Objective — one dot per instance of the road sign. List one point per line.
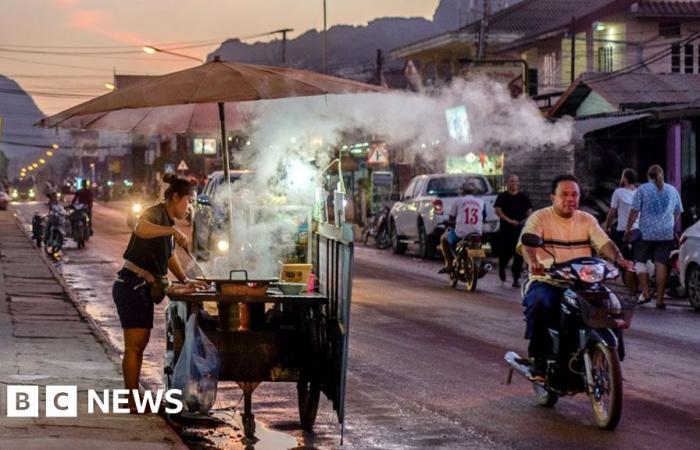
(182, 167)
(169, 168)
(378, 155)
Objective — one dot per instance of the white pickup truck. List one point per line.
(418, 216)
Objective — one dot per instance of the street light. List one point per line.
(54, 146)
(110, 86)
(49, 153)
(153, 50)
(35, 165)
(42, 161)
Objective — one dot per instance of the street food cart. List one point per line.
(263, 335)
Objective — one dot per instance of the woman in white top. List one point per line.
(620, 207)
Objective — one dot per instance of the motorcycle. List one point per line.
(674, 287)
(79, 224)
(467, 265)
(54, 234)
(37, 228)
(585, 356)
(378, 229)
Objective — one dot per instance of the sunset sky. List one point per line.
(33, 31)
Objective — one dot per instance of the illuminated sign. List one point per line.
(204, 146)
(458, 124)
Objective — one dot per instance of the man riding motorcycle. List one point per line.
(567, 233)
(467, 216)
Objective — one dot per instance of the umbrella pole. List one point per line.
(227, 178)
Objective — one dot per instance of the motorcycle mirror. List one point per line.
(203, 199)
(531, 240)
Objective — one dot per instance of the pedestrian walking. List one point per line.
(658, 207)
(620, 207)
(513, 208)
(143, 279)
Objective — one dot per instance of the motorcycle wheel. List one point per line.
(471, 274)
(543, 396)
(693, 284)
(79, 235)
(397, 246)
(606, 397)
(383, 239)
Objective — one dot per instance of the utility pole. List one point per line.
(380, 67)
(325, 40)
(483, 29)
(284, 32)
(573, 49)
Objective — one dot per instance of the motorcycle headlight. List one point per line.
(31, 193)
(589, 273)
(222, 245)
(136, 208)
(15, 194)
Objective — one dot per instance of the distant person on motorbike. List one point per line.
(658, 207)
(568, 233)
(467, 216)
(84, 196)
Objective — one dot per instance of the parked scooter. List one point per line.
(79, 224)
(584, 356)
(376, 231)
(37, 228)
(468, 265)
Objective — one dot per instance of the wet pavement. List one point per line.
(426, 363)
(45, 341)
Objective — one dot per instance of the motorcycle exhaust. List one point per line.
(518, 364)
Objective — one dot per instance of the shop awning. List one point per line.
(585, 126)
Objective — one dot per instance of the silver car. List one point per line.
(690, 264)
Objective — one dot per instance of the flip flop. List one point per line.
(641, 300)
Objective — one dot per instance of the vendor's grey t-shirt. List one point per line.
(152, 254)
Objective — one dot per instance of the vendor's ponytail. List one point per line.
(656, 174)
(177, 185)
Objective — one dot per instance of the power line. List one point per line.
(54, 64)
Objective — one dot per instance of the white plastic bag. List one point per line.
(196, 373)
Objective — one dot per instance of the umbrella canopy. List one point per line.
(186, 101)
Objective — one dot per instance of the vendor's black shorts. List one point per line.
(657, 251)
(626, 248)
(134, 305)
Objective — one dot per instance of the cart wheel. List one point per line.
(309, 393)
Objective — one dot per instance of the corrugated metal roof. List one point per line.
(644, 88)
(585, 126)
(666, 8)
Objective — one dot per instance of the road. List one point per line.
(426, 363)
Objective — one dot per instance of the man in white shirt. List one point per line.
(467, 215)
(620, 208)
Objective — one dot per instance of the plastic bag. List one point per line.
(196, 373)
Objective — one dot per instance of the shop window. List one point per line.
(605, 59)
(689, 57)
(549, 69)
(670, 29)
(675, 58)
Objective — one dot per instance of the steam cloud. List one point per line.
(292, 140)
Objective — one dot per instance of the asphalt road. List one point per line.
(426, 363)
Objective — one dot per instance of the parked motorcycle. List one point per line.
(37, 228)
(377, 230)
(584, 356)
(674, 287)
(79, 224)
(467, 265)
(54, 234)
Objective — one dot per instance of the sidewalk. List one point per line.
(45, 341)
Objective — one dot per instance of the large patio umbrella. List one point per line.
(198, 100)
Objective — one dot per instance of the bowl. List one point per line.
(291, 288)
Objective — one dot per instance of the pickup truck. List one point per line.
(418, 216)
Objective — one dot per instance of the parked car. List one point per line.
(209, 219)
(690, 264)
(425, 204)
(4, 200)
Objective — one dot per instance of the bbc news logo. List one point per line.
(62, 401)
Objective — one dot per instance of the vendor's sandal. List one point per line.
(642, 300)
